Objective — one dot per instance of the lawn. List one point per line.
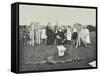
(43, 57)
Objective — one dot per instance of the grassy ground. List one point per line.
(42, 57)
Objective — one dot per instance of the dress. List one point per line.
(50, 36)
(74, 35)
(43, 34)
(69, 34)
(82, 35)
(87, 39)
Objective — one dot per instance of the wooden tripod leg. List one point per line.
(84, 43)
(77, 43)
(73, 42)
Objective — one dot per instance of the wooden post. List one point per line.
(37, 32)
(32, 33)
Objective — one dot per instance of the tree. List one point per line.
(91, 28)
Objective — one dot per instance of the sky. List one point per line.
(62, 15)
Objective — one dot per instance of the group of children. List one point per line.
(60, 35)
(75, 35)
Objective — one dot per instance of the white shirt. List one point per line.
(74, 30)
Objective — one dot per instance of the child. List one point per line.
(60, 36)
(81, 37)
(69, 35)
(87, 39)
(43, 35)
(74, 35)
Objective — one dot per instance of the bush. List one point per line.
(91, 28)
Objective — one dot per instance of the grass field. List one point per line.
(43, 57)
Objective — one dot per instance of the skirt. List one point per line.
(74, 36)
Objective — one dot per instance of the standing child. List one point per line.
(74, 35)
(43, 35)
(81, 37)
(49, 33)
(69, 35)
(87, 39)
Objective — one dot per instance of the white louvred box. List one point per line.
(61, 50)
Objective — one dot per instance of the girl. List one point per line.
(49, 33)
(69, 35)
(75, 34)
(43, 35)
(81, 37)
(87, 39)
